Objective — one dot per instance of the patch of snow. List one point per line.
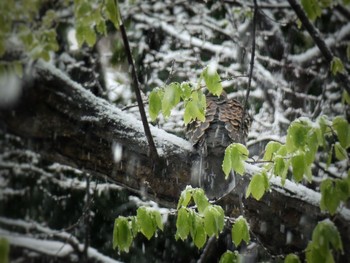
(212, 67)
(72, 40)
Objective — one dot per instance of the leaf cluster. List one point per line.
(166, 98)
(325, 239)
(147, 221)
(304, 139)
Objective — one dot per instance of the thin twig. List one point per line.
(153, 150)
(245, 107)
(315, 34)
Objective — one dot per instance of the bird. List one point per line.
(222, 126)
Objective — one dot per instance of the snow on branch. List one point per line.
(60, 243)
(106, 112)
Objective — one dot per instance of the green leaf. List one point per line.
(326, 236)
(200, 200)
(122, 237)
(345, 96)
(258, 185)
(292, 258)
(185, 197)
(2, 47)
(183, 223)
(192, 112)
(227, 164)
(186, 90)
(197, 231)
(158, 219)
(299, 166)
(348, 52)
(315, 255)
(270, 150)
(296, 135)
(90, 36)
(195, 107)
(343, 188)
(212, 81)
(237, 154)
(18, 68)
(337, 66)
(229, 257)
(213, 220)
(342, 128)
(329, 196)
(134, 225)
(113, 13)
(146, 222)
(171, 98)
(311, 8)
(240, 231)
(340, 152)
(155, 104)
(4, 250)
(281, 168)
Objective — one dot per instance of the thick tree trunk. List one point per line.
(69, 125)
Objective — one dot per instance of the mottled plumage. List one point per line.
(222, 126)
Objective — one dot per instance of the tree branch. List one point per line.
(153, 150)
(245, 107)
(326, 52)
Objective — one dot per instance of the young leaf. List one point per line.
(326, 236)
(171, 98)
(299, 166)
(157, 218)
(183, 223)
(200, 200)
(240, 231)
(329, 197)
(212, 81)
(146, 222)
(237, 153)
(198, 232)
(113, 14)
(342, 127)
(345, 96)
(312, 8)
(270, 150)
(281, 168)
(4, 250)
(227, 164)
(296, 136)
(122, 237)
(185, 90)
(343, 188)
(337, 66)
(185, 197)
(292, 258)
(340, 152)
(213, 220)
(229, 257)
(155, 104)
(258, 185)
